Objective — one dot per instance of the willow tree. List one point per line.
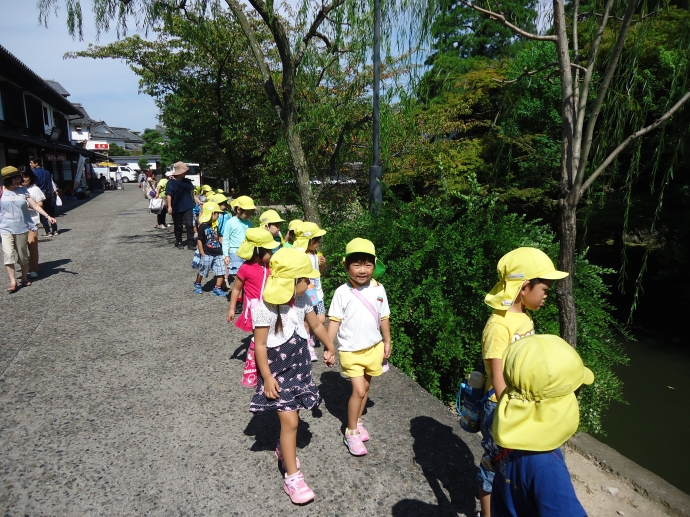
(586, 73)
(330, 28)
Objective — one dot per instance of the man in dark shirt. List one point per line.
(181, 200)
(44, 181)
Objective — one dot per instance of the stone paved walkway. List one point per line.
(120, 395)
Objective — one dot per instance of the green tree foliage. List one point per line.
(116, 150)
(202, 76)
(441, 253)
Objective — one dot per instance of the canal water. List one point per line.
(654, 428)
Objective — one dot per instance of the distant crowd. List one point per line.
(521, 398)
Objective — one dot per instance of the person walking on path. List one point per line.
(256, 250)
(29, 182)
(235, 230)
(525, 275)
(359, 315)
(286, 384)
(536, 414)
(209, 250)
(290, 237)
(44, 181)
(160, 194)
(181, 202)
(15, 223)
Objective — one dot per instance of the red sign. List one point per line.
(101, 146)
(56, 157)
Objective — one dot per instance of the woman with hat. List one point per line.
(286, 384)
(15, 223)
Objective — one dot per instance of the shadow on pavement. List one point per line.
(52, 267)
(265, 427)
(448, 466)
(335, 390)
(240, 352)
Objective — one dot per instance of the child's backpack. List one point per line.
(471, 398)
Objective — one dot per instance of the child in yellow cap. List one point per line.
(359, 316)
(308, 239)
(271, 220)
(290, 237)
(256, 250)
(209, 248)
(536, 414)
(286, 384)
(525, 275)
(235, 230)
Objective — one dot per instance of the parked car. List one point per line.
(109, 172)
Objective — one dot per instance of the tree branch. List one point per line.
(341, 139)
(644, 17)
(603, 90)
(502, 20)
(529, 73)
(638, 134)
(315, 24)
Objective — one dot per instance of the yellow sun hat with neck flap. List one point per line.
(256, 238)
(207, 210)
(538, 410)
(243, 202)
(305, 232)
(287, 265)
(359, 245)
(514, 268)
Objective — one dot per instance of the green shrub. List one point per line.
(441, 254)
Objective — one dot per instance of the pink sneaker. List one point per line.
(363, 433)
(279, 456)
(353, 441)
(297, 489)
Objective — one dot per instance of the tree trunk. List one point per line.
(311, 212)
(567, 230)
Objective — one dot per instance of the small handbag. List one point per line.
(156, 205)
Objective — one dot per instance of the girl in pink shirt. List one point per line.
(256, 250)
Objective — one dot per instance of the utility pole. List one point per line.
(375, 171)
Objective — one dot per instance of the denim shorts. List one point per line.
(485, 475)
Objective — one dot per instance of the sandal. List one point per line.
(12, 288)
(26, 283)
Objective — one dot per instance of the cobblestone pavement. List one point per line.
(120, 395)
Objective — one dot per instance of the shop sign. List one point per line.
(92, 144)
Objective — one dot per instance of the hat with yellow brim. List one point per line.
(514, 268)
(256, 238)
(10, 172)
(206, 188)
(270, 216)
(219, 198)
(243, 202)
(207, 210)
(287, 265)
(305, 232)
(294, 224)
(538, 410)
(359, 245)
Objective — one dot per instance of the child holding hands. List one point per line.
(359, 316)
(285, 384)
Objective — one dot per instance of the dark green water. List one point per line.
(653, 430)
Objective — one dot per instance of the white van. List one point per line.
(194, 173)
(110, 172)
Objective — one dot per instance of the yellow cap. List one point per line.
(270, 216)
(218, 198)
(287, 264)
(305, 232)
(219, 191)
(256, 238)
(207, 210)
(538, 410)
(206, 188)
(359, 245)
(244, 202)
(514, 269)
(294, 224)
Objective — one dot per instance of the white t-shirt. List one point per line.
(266, 314)
(358, 329)
(38, 196)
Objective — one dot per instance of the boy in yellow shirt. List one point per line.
(525, 275)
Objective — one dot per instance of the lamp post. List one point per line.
(375, 171)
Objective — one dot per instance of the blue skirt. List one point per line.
(290, 364)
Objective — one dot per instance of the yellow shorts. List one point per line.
(363, 362)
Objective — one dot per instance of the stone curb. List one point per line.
(640, 479)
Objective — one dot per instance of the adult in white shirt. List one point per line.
(15, 223)
(29, 182)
